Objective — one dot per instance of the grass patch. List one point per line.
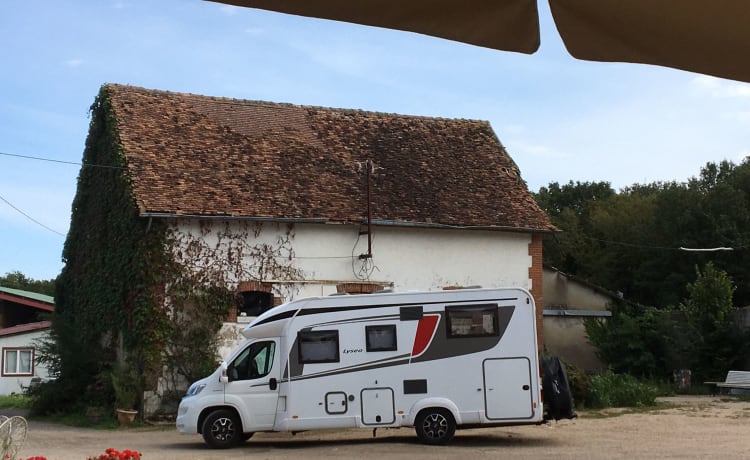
(16, 401)
(620, 390)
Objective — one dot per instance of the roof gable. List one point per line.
(206, 156)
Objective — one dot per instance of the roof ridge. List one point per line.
(271, 104)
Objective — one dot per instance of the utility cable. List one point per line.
(30, 218)
(89, 165)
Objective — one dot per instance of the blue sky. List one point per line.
(560, 119)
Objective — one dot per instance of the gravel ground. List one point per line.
(689, 428)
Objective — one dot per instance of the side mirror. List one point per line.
(223, 378)
(273, 383)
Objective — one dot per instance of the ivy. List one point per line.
(143, 294)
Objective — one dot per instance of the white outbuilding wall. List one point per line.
(10, 383)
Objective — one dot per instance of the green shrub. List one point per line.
(620, 390)
(580, 385)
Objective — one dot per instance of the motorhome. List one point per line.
(435, 361)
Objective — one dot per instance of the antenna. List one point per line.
(369, 166)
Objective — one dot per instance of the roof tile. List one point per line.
(197, 155)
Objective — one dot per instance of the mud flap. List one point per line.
(558, 399)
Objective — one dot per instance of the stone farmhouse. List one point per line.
(289, 201)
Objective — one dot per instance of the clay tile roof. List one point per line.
(196, 155)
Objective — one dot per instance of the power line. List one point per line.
(30, 218)
(665, 248)
(90, 165)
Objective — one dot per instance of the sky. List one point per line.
(560, 119)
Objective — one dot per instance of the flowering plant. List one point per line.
(112, 454)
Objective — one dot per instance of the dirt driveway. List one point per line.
(693, 427)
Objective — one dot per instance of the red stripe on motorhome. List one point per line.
(425, 331)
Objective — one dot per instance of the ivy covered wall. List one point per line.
(110, 320)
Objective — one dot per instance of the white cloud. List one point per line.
(73, 63)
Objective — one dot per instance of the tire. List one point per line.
(222, 429)
(435, 426)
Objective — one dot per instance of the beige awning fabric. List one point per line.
(705, 36)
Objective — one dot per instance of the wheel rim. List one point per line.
(435, 426)
(223, 429)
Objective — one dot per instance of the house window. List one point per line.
(254, 303)
(472, 320)
(18, 361)
(318, 347)
(381, 337)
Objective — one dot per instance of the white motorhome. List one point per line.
(436, 361)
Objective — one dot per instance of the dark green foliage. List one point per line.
(700, 335)
(579, 383)
(610, 389)
(716, 343)
(628, 241)
(17, 280)
(636, 340)
(111, 306)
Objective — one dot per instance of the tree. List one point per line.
(717, 343)
(635, 340)
(17, 280)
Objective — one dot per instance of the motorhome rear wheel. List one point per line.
(435, 426)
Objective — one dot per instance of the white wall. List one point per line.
(16, 384)
(406, 258)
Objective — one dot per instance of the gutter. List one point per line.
(325, 220)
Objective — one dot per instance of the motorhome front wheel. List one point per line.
(222, 429)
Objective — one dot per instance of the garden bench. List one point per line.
(735, 380)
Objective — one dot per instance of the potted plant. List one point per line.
(126, 386)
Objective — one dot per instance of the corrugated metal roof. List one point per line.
(29, 295)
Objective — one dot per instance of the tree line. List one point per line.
(676, 252)
(646, 240)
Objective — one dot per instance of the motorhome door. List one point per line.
(507, 389)
(253, 384)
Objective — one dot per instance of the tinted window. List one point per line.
(381, 337)
(318, 346)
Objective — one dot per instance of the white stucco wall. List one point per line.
(406, 258)
(15, 384)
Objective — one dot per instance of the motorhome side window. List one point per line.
(472, 320)
(381, 337)
(318, 347)
(254, 362)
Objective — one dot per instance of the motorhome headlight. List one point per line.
(195, 389)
